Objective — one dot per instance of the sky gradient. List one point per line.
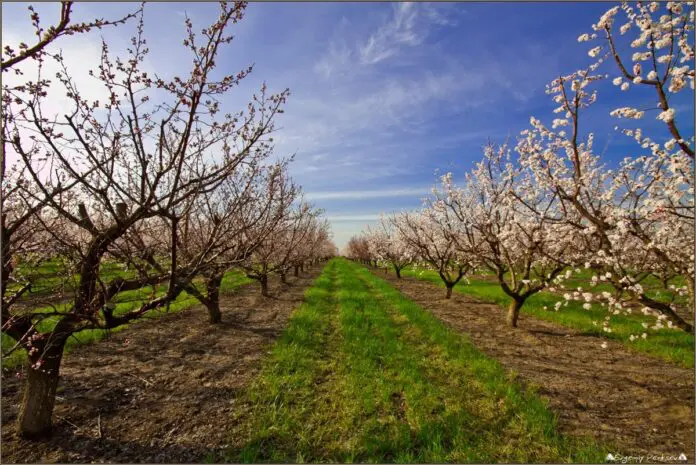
(383, 95)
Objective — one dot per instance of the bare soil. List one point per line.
(640, 404)
(160, 391)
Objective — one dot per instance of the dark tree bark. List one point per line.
(264, 285)
(35, 417)
(666, 310)
(213, 302)
(514, 310)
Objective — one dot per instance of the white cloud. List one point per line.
(56, 104)
(74, 56)
(400, 31)
(337, 59)
(374, 108)
(368, 194)
(409, 26)
(338, 218)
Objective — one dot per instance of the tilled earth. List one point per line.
(160, 391)
(642, 405)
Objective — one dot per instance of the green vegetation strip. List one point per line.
(363, 374)
(125, 302)
(672, 345)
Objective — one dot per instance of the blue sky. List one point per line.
(383, 94)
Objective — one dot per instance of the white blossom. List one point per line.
(627, 112)
(666, 116)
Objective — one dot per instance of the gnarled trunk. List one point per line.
(514, 311)
(666, 310)
(398, 272)
(692, 293)
(264, 285)
(212, 303)
(35, 416)
(449, 290)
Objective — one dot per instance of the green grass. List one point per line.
(125, 301)
(672, 345)
(49, 277)
(362, 374)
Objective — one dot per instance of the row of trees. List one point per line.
(153, 176)
(535, 215)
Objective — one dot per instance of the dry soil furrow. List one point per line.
(161, 391)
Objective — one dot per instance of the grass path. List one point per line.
(363, 374)
(672, 345)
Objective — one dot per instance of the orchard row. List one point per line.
(537, 213)
(153, 176)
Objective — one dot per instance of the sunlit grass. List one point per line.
(363, 374)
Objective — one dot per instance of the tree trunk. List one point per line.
(264, 285)
(297, 271)
(35, 417)
(214, 313)
(514, 311)
(666, 310)
(449, 290)
(692, 293)
(213, 301)
(398, 272)
(283, 278)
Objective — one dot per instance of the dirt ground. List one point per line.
(160, 391)
(641, 404)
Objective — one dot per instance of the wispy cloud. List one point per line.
(353, 218)
(400, 31)
(408, 27)
(337, 58)
(368, 194)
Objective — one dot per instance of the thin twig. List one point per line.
(67, 421)
(147, 383)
